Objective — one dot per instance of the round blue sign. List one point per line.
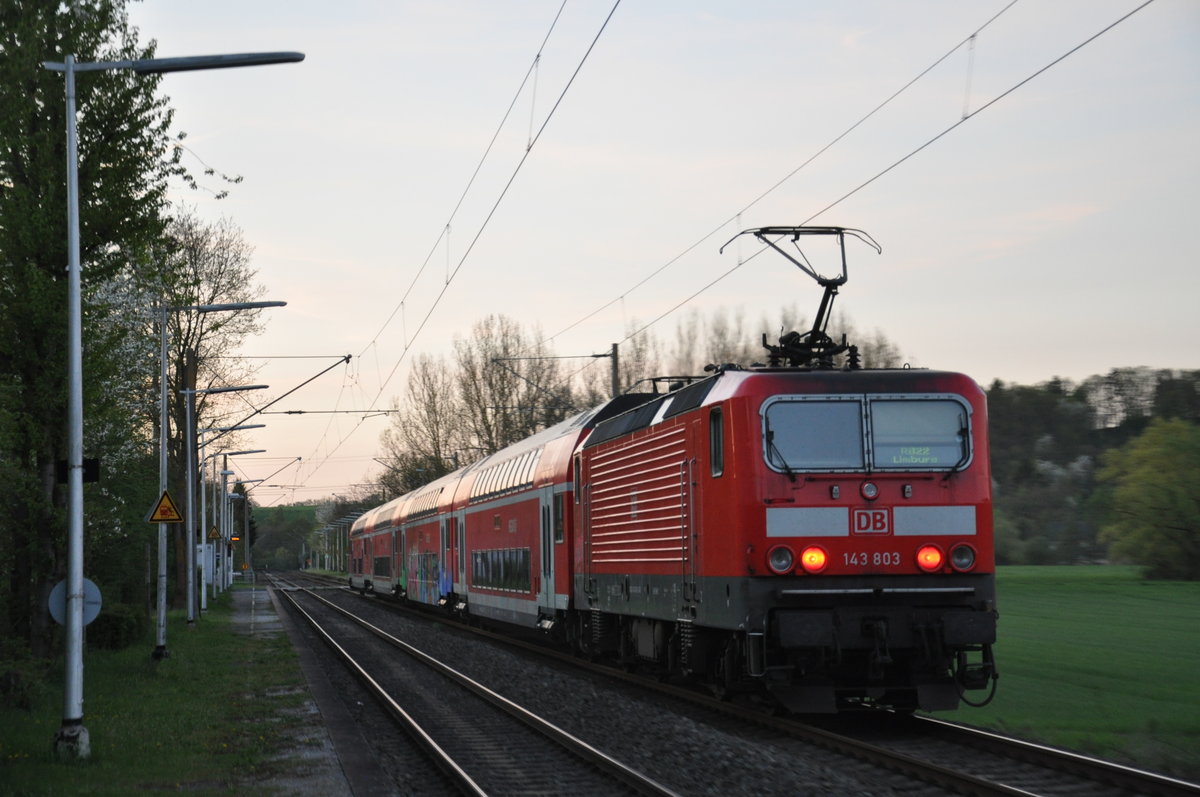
(91, 602)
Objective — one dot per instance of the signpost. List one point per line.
(91, 602)
(164, 511)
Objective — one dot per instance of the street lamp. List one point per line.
(226, 543)
(229, 499)
(219, 583)
(190, 447)
(207, 561)
(160, 647)
(226, 524)
(72, 739)
(246, 521)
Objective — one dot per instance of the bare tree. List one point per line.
(426, 432)
(875, 350)
(501, 387)
(722, 337)
(510, 387)
(203, 263)
(637, 361)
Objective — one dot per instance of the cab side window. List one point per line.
(716, 441)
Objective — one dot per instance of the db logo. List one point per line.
(872, 521)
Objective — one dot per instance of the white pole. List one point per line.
(189, 397)
(72, 739)
(225, 516)
(246, 533)
(203, 533)
(218, 551)
(160, 636)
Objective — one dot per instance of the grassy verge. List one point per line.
(208, 719)
(1098, 660)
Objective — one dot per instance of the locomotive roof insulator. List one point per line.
(812, 349)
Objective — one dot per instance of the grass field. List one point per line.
(1099, 660)
(207, 720)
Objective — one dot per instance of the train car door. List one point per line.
(397, 561)
(546, 513)
(368, 561)
(461, 520)
(446, 562)
(402, 563)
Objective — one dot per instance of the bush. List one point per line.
(117, 627)
(22, 679)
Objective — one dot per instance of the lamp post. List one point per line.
(229, 499)
(246, 519)
(72, 740)
(205, 574)
(190, 515)
(160, 646)
(226, 546)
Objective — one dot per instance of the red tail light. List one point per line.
(813, 559)
(930, 558)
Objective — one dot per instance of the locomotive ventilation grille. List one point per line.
(639, 500)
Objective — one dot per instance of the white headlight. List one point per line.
(780, 559)
(962, 557)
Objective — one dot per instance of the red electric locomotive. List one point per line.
(825, 534)
(820, 533)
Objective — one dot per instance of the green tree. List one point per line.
(1043, 460)
(1155, 507)
(124, 162)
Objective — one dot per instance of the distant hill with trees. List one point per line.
(1097, 470)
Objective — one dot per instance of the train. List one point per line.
(803, 530)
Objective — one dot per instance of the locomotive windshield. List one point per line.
(815, 435)
(842, 433)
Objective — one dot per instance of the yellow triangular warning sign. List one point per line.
(213, 535)
(164, 511)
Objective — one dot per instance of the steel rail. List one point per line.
(443, 759)
(635, 780)
(923, 771)
(1053, 759)
(1135, 780)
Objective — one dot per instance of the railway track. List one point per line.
(953, 757)
(982, 762)
(482, 742)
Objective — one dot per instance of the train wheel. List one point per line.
(582, 643)
(674, 657)
(725, 675)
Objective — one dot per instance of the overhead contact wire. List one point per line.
(499, 199)
(786, 177)
(478, 167)
(880, 174)
(479, 233)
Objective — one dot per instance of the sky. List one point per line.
(1034, 216)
